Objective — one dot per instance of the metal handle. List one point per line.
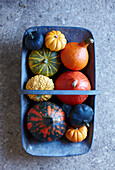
(60, 92)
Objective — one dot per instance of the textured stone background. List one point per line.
(15, 17)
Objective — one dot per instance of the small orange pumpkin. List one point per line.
(75, 55)
(55, 40)
(76, 135)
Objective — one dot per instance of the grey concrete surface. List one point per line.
(15, 17)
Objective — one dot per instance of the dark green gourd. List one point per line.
(80, 115)
(34, 40)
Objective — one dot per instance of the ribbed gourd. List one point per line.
(55, 40)
(44, 62)
(76, 135)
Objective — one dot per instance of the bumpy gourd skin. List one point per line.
(40, 82)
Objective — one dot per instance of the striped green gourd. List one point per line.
(44, 62)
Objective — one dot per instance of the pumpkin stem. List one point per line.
(38, 97)
(31, 36)
(74, 84)
(86, 122)
(86, 42)
(45, 61)
(56, 36)
(49, 120)
(89, 41)
(56, 120)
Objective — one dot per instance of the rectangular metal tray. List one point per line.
(61, 147)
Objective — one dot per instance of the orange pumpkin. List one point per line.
(76, 135)
(72, 80)
(75, 55)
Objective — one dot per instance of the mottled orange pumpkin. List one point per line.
(76, 135)
(75, 55)
(46, 121)
(55, 40)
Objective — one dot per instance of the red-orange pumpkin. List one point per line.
(72, 80)
(75, 55)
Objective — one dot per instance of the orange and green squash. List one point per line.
(46, 121)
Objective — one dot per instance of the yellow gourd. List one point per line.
(55, 40)
(40, 82)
